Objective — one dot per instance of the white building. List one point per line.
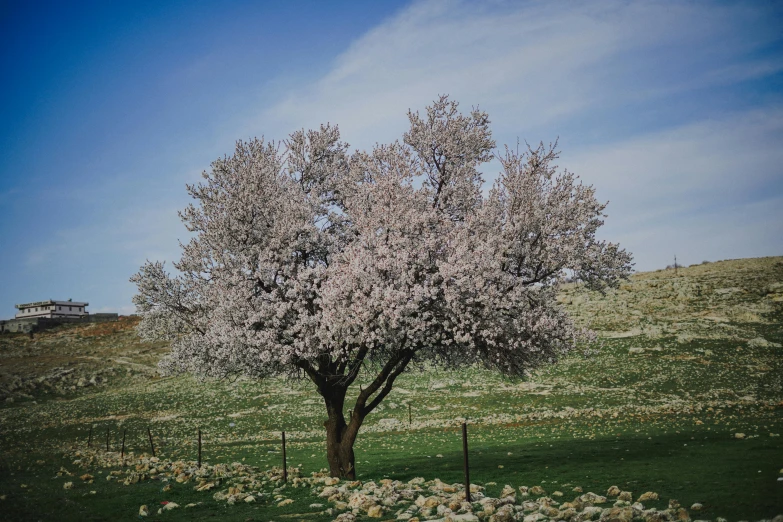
(52, 308)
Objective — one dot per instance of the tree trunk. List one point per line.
(339, 453)
(340, 437)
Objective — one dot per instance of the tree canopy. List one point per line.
(307, 260)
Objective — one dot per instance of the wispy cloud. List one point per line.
(533, 65)
(711, 189)
(542, 71)
(707, 163)
(121, 310)
(134, 234)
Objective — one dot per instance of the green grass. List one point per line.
(735, 479)
(662, 420)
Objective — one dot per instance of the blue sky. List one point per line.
(673, 110)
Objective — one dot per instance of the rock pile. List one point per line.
(437, 501)
(412, 501)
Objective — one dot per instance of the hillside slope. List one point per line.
(684, 398)
(737, 300)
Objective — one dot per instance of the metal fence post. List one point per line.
(465, 455)
(285, 466)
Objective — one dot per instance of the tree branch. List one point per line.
(353, 372)
(401, 365)
(315, 376)
(390, 367)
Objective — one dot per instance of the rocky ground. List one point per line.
(720, 300)
(73, 358)
(346, 501)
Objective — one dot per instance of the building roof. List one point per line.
(51, 302)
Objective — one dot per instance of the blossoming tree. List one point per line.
(308, 261)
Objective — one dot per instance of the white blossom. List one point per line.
(308, 260)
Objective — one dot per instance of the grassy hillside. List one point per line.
(683, 399)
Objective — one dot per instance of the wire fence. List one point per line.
(161, 442)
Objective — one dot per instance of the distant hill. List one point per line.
(720, 300)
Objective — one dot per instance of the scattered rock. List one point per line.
(508, 491)
(592, 498)
(328, 492)
(465, 517)
(739, 435)
(389, 424)
(144, 511)
(68, 485)
(285, 502)
(613, 491)
(696, 507)
(170, 505)
(431, 502)
(760, 342)
(375, 512)
(504, 514)
(646, 497)
(593, 512)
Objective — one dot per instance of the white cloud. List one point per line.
(533, 63)
(711, 189)
(700, 189)
(121, 310)
(751, 229)
(708, 163)
(136, 232)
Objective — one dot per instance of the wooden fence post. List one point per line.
(107, 438)
(409, 415)
(152, 446)
(89, 438)
(465, 455)
(199, 447)
(285, 466)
